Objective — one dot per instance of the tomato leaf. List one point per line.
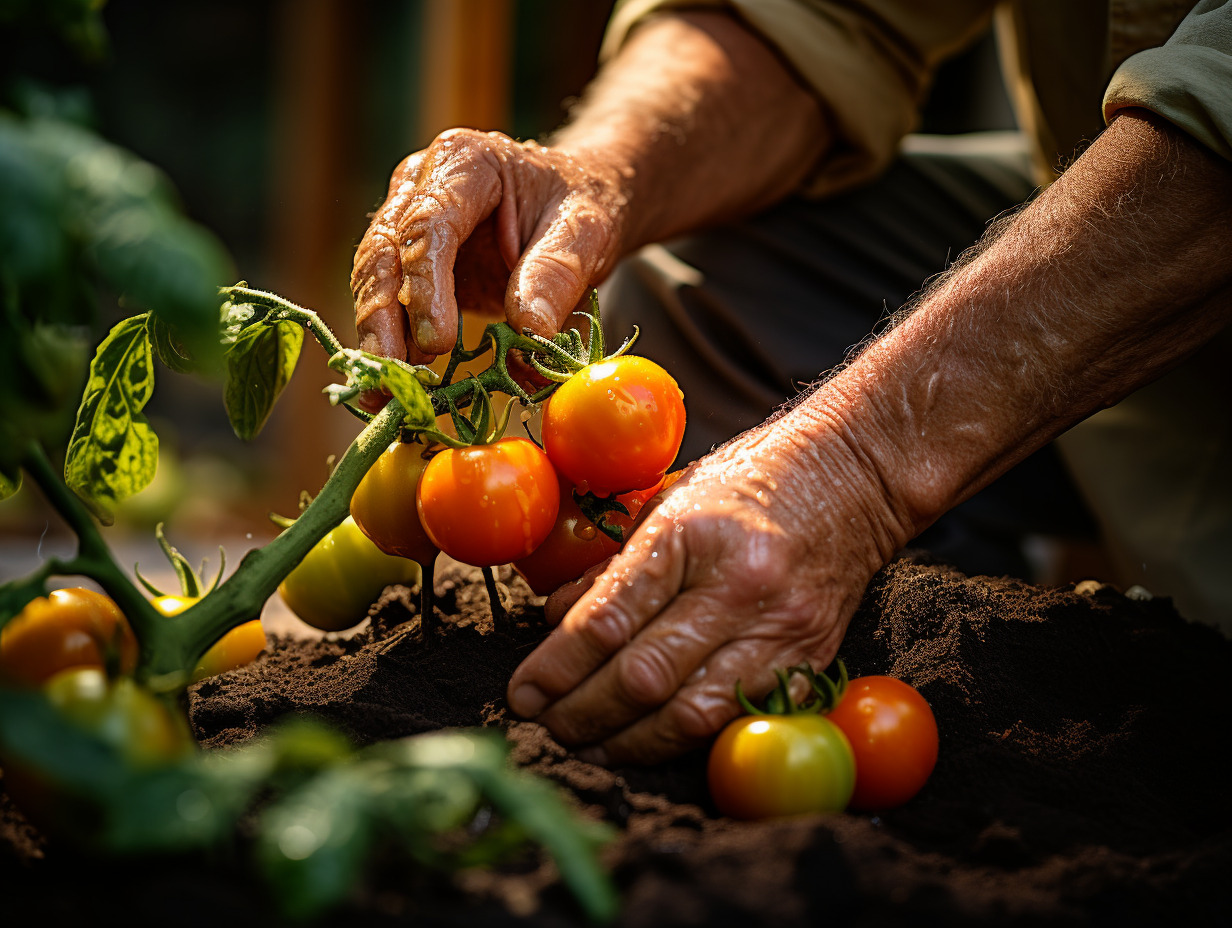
(259, 365)
(113, 452)
(403, 382)
(166, 347)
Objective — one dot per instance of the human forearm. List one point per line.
(700, 120)
(1110, 278)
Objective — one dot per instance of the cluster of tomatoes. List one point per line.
(870, 744)
(611, 430)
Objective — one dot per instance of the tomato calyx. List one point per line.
(824, 694)
(598, 508)
(569, 352)
(192, 585)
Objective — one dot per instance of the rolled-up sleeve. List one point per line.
(1187, 80)
(869, 64)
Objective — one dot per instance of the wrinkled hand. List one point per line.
(480, 222)
(754, 560)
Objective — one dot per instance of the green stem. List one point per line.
(94, 558)
(281, 308)
(182, 639)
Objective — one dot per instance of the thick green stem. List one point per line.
(181, 639)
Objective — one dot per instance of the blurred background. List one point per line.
(279, 123)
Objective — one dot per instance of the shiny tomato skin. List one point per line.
(121, 712)
(383, 505)
(238, 647)
(893, 735)
(344, 573)
(575, 544)
(615, 425)
(767, 766)
(68, 628)
(489, 504)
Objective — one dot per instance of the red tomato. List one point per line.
(489, 504)
(68, 628)
(894, 737)
(383, 505)
(615, 425)
(575, 544)
(763, 766)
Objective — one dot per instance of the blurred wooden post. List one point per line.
(467, 57)
(314, 223)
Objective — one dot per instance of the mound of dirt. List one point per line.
(1077, 784)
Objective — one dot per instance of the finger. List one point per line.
(568, 254)
(705, 704)
(376, 274)
(643, 675)
(605, 618)
(561, 600)
(460, 186)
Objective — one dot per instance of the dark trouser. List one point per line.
(744, 314)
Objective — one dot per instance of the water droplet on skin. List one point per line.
(654, 554)
(697, 507)
(679, 528)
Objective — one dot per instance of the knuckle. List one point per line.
(646, 676)
(692, 717)
(607, 630)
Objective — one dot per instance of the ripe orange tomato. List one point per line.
(489, 504)
(68, 628)
(893, 735)
(615, 425)
(383, 505)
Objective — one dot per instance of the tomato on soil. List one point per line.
(344, 573)
(615, 425)
(763, 766)
(68, 628)
(489, 504)
(383, 505)
(893, 735)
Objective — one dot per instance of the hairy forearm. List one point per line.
(700, 120)
(1114, 275)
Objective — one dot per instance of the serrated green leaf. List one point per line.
(113, 452)
(165, 346)
(259, 366)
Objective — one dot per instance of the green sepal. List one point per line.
(596, 509)
(113, 452)
(827, 693)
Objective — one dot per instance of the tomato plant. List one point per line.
(383, 505)
(238, 647)
(575, 544)
(615, 425)
(68, 628)
(491, 503)
(893, 735)
(333, 586)
(786, 760)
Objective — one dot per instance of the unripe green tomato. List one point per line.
(344, 573)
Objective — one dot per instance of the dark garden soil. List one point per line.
(1078, 782)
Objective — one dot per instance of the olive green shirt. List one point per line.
(870, 64)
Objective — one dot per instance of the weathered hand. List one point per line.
(478, 221)
(755, 560)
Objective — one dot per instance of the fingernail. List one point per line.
(593, 755)
(528, 701)
(425, 334)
